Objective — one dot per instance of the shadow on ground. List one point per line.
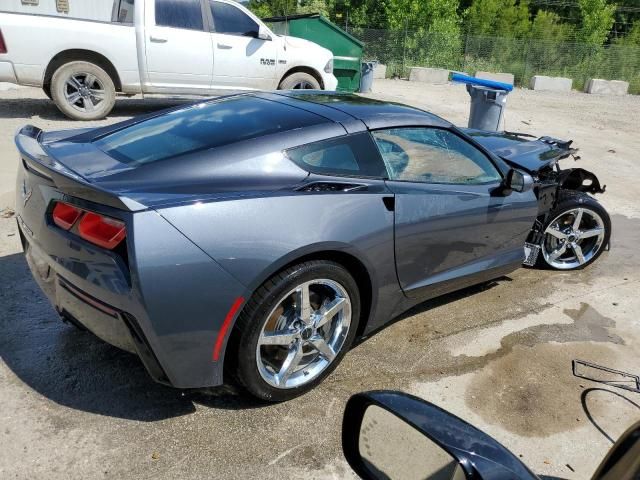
(25, 108)
(75, 369)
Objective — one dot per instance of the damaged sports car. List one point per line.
(252, 238)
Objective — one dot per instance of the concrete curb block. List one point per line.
(429, 75)
(496, 77)
(379, 71)
(606, 87)
(553, 84)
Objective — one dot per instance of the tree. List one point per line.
(548, 26)
(499, 18)
(596, 20)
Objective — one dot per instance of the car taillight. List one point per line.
(103, 231)
(106, 232)
(65, 215)
(3, 46)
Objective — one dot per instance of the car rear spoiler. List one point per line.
(38, 162)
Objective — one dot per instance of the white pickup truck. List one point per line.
(190, 47)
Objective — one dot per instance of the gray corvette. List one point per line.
(252, 238)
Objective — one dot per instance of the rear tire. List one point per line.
(83, 91)
(299, 81)
(572, 243)
(275, 311)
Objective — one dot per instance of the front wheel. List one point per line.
(295, 330)
(299, 81)
(577, 233)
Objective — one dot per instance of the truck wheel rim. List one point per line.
(304, 333)
(84, 92)
(573, 238)
(303, 85)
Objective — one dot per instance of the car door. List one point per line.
(451, 229)
(242, 60)
(179, 54)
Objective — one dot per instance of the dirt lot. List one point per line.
(498, 355)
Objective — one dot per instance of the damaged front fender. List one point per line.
(581, 180)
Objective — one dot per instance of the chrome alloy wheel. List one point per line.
(303, 333)
(84, 91)
(573, 238)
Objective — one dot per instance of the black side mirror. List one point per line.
(391, 435)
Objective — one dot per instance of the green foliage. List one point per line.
(548, 26)
(596, 20)
(501, 18)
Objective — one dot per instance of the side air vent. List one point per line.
(331, 187)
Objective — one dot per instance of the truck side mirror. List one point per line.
(263, 33)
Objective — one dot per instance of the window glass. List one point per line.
(433, 155)
(202, 126)
(352, 155)
(231, 20)
(179, 14)
(125, 10)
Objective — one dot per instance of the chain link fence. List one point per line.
(524, 58)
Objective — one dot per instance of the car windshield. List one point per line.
(202, 126)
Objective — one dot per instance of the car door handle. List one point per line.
(224, 46)
(158, 40)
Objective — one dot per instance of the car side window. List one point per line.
(350, 155)
(433, 155)
(231, 20)
(185, 14)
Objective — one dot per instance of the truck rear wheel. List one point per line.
(83, 91)
(299, 81)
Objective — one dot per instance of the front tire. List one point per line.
(83, 91)
(578, 231)
(299, 81)
(295, 330)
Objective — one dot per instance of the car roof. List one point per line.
(373, 113)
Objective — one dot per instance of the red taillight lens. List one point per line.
(3, 46)
(103, 231)
(65, 215)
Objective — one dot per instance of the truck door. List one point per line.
(241, 59)
(179, 54)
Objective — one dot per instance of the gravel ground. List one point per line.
(498, 355)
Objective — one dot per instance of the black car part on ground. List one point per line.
(479, 455)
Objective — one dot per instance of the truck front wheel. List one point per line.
(83, 91)
(299, 81)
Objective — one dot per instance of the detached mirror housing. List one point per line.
(263, 33)
(392, 435)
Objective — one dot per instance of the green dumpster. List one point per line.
(347, 50)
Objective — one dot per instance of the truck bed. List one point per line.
(34, 40)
